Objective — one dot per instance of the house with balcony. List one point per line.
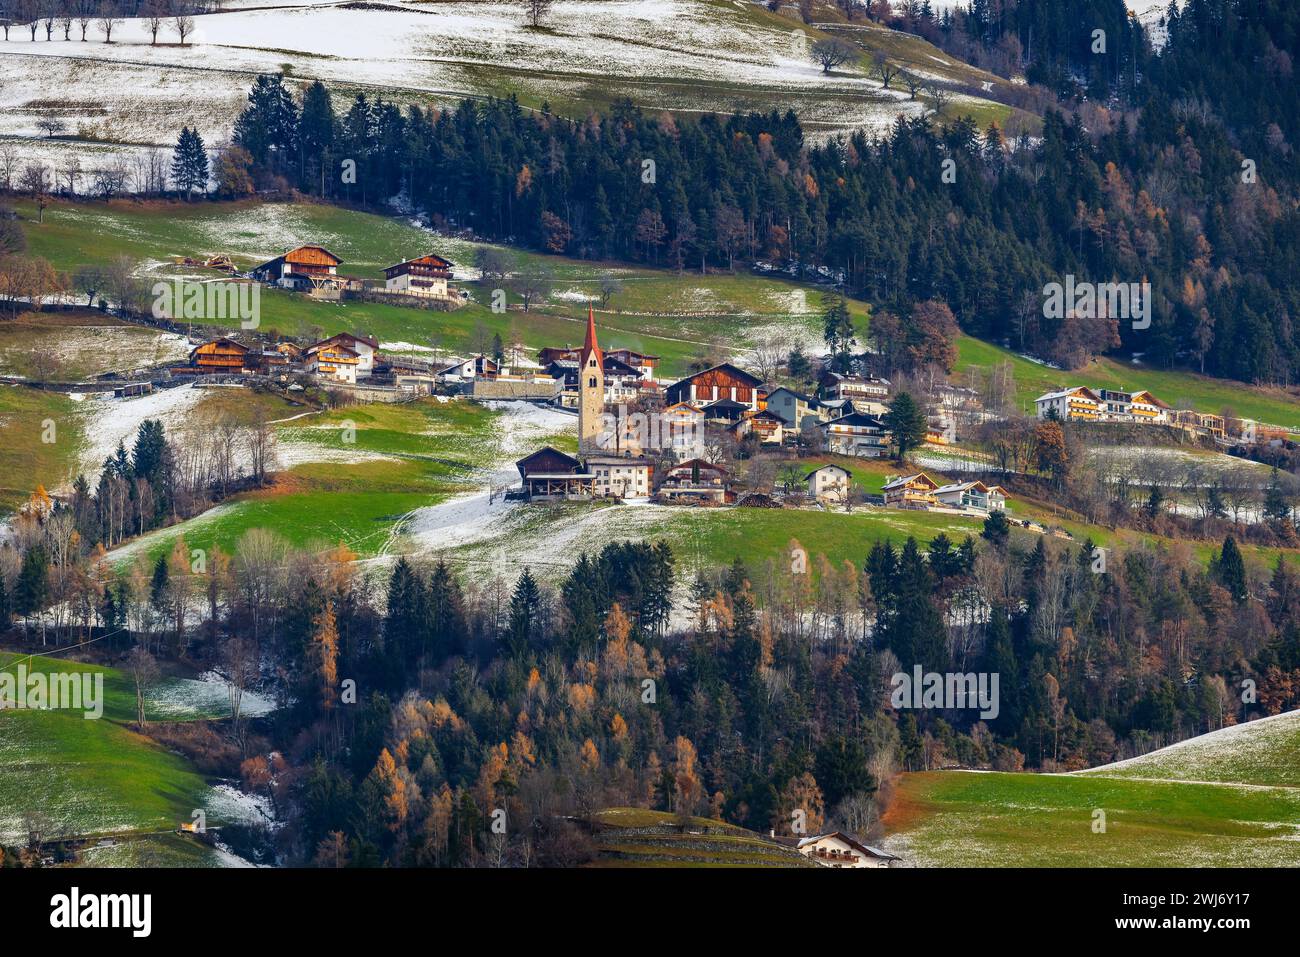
(858, 434)
(976, 495)
(836, 385)
(911, 491)
(425, 276)
(1074, 404)
(695, 482)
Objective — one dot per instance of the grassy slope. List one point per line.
(1160, 808)
(90, 776)
(961, 819)
(672, 316)
(82, 345)
(25, 459)
(1264, 752)
(430, 450)
(1179, 389)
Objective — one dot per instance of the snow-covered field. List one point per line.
(98, 349)
(476, 516)
(115, 99)
(178, 699)
(1264, 752)
(110, 421)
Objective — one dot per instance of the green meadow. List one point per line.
(961, 819)
(90, 776)
(27, 418)
(676, 317)
(365, 468)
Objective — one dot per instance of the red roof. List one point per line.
(590, 345)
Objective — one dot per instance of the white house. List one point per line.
(425, 276)
(829, 483)
(365, 349)
(682, 431)
(1078, 402)
(838, 849)
(988, 498)
(620, 477)
(834, 385)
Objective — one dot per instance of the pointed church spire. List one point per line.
(590, 344)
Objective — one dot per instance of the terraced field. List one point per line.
(633, 837)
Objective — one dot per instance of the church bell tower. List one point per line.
(591, 389)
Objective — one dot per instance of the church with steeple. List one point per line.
(591, 389)
(599, 470)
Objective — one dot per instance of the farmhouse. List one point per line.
(829, 483)
(312, 269)
(987, 498)
(365, 348)
(724, 381)
(694, 481)
(838, 849)
(911, 491)
(549, 475)
(220, 355)
(425, 276)
(857, 434)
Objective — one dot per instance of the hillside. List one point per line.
(1222, 799)
(115, 99)
(1265, 752)
(102, 776)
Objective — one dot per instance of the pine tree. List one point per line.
(525, 612)
(190, 167)
(1230, 569)
(907, 422)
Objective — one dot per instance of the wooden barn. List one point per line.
(426, 275)
(549, 475)
(311, 269)
(220, 355)
(724, 381)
